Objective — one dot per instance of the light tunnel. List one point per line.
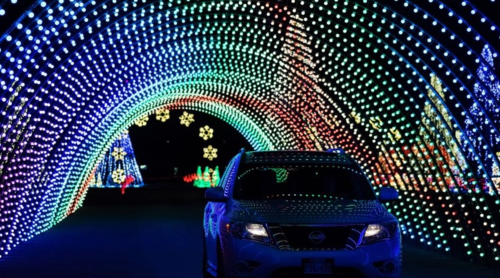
(409, 88)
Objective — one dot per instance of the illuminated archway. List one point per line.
(409, 88)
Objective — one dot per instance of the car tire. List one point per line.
(206, 274)
(220, 263)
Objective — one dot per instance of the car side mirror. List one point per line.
(387, 194)
(215, 194)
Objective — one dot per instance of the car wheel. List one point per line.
(220, 263)
(206, 274)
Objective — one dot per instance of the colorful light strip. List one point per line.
(409, 88)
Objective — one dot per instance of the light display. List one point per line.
(162, 114)
(496, 173)
(190, 178)
(408, 88)
(215, 177)
(186, 118)
(486, 93)
(208, 178)
(118, 166)
(198, 181)
(209, 152)
(206, 132)
(118, 176)
(142, 121)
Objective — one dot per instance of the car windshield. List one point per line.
(256, 182)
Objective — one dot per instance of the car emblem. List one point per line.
(317, 237)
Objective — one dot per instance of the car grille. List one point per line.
(316, 237)
(339, 272)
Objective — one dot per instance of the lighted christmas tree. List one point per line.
(215, 177)
(496, 173)
(206, 177)
(435, 130)
(198, 182)
(117, 165)
(484, 115)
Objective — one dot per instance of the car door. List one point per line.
(214, 211)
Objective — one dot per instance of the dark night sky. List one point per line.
(165, 145)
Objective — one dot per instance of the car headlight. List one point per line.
(250, 231)
(379, 232)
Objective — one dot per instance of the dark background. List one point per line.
(165, 145)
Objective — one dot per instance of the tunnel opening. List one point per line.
(164, 146)
(173, 156)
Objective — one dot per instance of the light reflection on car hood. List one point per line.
(309, 211)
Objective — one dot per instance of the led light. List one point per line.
(250, 231)
(379, 232)
(117, 163)
(373, 229)
(414, 112)
(256, 230)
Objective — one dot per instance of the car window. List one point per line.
(302, 182)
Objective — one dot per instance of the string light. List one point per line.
(162, 114)
(119, 156)
(406, 89)
(209, 152)
(206, 132)
(186, 118)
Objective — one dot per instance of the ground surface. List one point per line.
(155, 234)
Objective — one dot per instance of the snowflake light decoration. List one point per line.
(206, 132)
(122, 135)
(118, 175)
(496, 169)
(210, 153)
(496, 173)
(142, 121)
(162, 114)
(186, 118)
(118, 153)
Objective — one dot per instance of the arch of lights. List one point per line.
(408, 88)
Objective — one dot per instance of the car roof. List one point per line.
(292, 157)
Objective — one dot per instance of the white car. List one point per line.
(299, 214)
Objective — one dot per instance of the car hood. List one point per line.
(309, 211)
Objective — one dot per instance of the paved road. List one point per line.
(151, 239)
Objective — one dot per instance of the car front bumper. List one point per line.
(244, 258)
